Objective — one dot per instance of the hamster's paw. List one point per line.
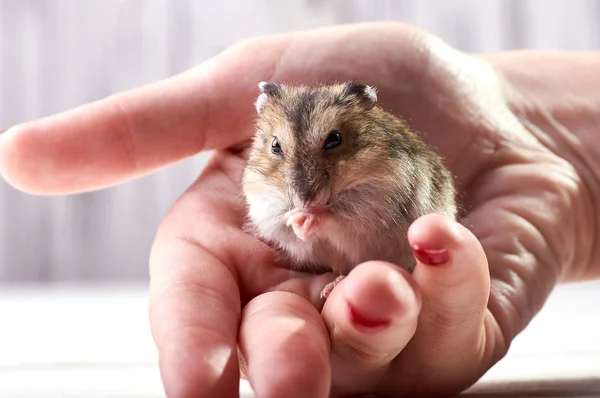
(330, 286)
(302, 222)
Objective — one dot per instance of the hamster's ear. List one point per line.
(267, 90)
(366, 95)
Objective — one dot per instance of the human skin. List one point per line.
(517, 129)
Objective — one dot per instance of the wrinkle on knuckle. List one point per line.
(538, 215)
(188, 249)
(118, 103)
(507, 311)
(200, 306)
(197, 288)
(208, 331)
(558, 140)
(349, 351)
(554, 223)
(455, 318)
(496, 340)
(579, 204)
(221, 256)
(528, 266)
(519, 287)
(204, 112)
(245, 46)
(452, 281)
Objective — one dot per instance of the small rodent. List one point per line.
(332, 180)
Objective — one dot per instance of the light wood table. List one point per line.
(94, 341)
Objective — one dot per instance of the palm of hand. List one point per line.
(458, 102)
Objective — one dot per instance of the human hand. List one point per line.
(213, 286)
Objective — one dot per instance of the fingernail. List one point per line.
(365, 322)
(431, 256)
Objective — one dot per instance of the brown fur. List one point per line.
(381, 178)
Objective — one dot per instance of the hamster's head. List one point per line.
(312, 145)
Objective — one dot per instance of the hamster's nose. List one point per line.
(312, 199)
(303, 198)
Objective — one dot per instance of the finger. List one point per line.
(195, 301)
(201, 274)
(210, 107)
(453, 276)
(194, 324)
(371, 315)
(133, 133)
(194, 316)
(285, 347)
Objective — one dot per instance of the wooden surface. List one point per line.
(58, 54)
(93, 341)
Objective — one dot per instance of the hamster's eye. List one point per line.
(275, 147)
(333, 140)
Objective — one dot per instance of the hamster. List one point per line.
(332, 180)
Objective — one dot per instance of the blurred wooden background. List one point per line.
(58, 54)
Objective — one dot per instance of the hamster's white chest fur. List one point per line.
(338, 244)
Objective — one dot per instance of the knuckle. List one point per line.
(349, 350)
(246, 46)
(206, 317)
